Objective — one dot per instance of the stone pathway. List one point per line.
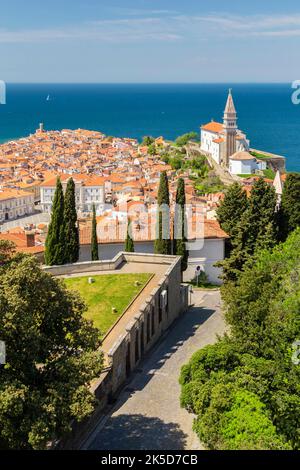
(147, 414)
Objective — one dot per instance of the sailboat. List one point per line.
(48, 98)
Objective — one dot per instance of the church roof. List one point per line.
(230, 108)
(242, 156)
(213, 127)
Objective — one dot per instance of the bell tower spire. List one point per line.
(230, 128)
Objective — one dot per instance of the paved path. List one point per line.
(148, 414)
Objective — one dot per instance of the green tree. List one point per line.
(176, 163)
(71, 225)
(129, 244)
(179, 229)
(152, 150)
(232, 208)
(162, 244)
(51, 356)
(147, 140)
(290, 205)
(245, 388)
(244, 423)
(94, 240)
(185, 138)
(55, 241)
(256, 229)
(7, 250)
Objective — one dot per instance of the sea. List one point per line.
(265, 111)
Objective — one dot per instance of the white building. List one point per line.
(221, 140)
(242, 163)
(89, 190)
(15, 203)
(204, 252)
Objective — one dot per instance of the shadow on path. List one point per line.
(183, 329)
(134, 432)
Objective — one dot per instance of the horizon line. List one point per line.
(152, 83)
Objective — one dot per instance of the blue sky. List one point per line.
(149, 41)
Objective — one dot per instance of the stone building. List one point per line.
(15, 203)
(89, 190)
(144, 321)
(222, 140)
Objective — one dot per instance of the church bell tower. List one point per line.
(230, 128)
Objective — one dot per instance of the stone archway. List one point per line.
(128, 361)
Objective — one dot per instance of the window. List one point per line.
(148, 327)
(137, 352)
(152, 320)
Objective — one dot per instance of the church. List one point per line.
(228, 145)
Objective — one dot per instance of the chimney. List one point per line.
(30, 238)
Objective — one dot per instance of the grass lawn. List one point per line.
(260, 155)
(269, 173)
(108, 290)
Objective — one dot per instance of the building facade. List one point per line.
(222, 140)
(89, 190)
(15, 203)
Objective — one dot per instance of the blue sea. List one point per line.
(265, 111)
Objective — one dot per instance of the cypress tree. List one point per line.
(261, 215)
(55, 241)
(256, 230)
(162, 244)
(129, 244)
(94, 241)
(70, 221)
(179, 239)
(231, 209)
(290, 205)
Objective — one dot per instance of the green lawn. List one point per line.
(108, 290)
(260, 155)
(269, 173)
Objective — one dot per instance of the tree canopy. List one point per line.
(148, 140)
(94, 239)
(245, 388)
(162, 244)
(185, 138)
(50, 356)
(179, 228)
(55, 242)
(257, 227)
(129, 244)
(7, 250)
(232, 208)
(70, 222)
(290, 205)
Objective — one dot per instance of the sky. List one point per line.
(149, 41)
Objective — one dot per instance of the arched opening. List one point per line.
(137, 349)
(128, 365)
(152, 321)
(148, 327)
(142, 339)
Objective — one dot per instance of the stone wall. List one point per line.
(146, 327)
(205, 252)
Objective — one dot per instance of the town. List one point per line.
(119, 259)
(120, 176)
